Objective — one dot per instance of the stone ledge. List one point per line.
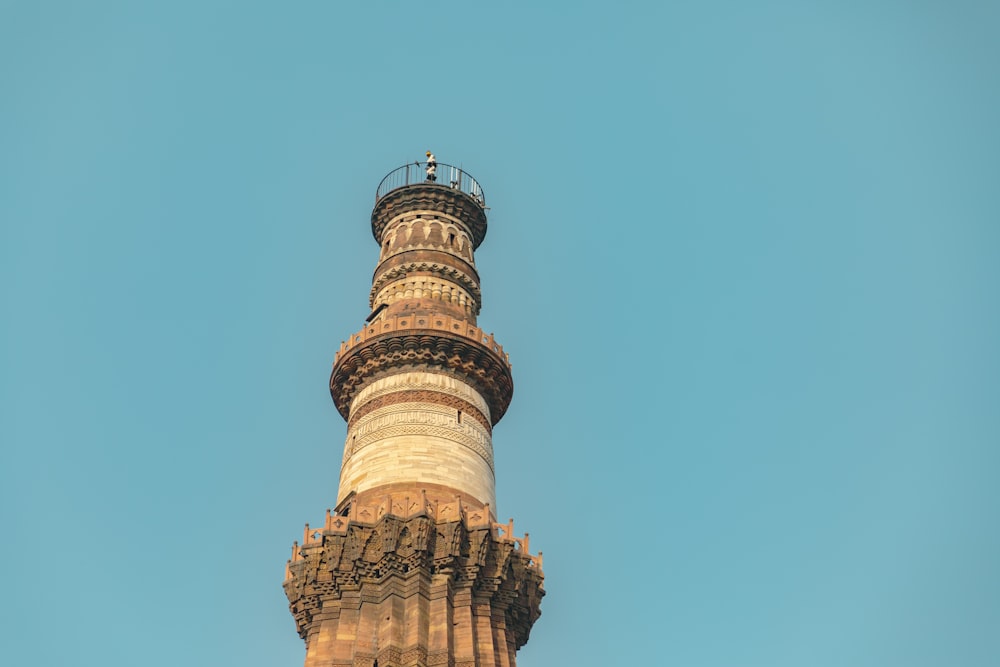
(442, 343)
(433, 197)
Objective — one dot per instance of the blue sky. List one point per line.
(744, 256)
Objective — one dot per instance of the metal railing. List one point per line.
(446, 174)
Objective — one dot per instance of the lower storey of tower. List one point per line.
(444, 585)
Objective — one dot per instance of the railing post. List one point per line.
(461, 179)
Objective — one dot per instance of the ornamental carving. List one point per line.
(411, 562)
(423, 422)
(421, 288)
(416, 349)
(416, 231)
(464, 280)
(419, 396)
(437, 383)
(443, 200)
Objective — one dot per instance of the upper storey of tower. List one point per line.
(452, 192)
(428, 220)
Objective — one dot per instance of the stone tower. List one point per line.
(412, 567)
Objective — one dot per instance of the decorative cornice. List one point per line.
(428, 256)
(434, 342)
(416, 289)
(417, 322)
(466, 358)
(468, 282)
(431, 196)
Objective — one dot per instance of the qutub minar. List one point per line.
(412, 567)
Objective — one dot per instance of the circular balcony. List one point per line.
(435, 341)
(445, 175)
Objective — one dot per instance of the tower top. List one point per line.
(431, 186)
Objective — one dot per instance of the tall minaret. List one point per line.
(412, 568)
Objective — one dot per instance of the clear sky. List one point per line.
(744, 255)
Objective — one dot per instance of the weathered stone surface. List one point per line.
(441, 199)
(412, 345)
(420, 590)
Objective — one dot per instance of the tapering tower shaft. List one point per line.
(412, 567)
(421, 386)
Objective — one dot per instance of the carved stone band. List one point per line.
(418, 419)
(463, 280)
(420, 381)
(417, 349)
(424, 287)
(418, 443)
(441, 199)
(455, 406)
(425, 230)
